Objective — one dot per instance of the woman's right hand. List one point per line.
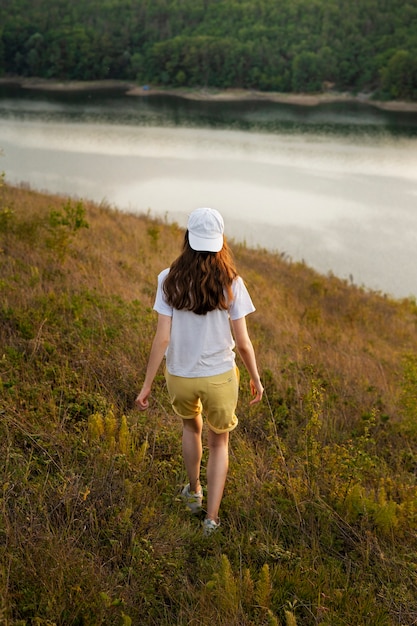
(142, 400)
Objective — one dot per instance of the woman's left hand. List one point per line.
(256, 390)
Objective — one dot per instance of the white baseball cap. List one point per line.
(205, 230)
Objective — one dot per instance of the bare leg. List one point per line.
(192, 450)
(217, 467)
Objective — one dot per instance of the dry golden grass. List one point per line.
(319, 518)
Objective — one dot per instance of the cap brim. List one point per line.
(201, 244)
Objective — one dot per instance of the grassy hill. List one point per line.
(319, 517)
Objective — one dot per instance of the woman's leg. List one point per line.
(192, 450)
(217, 467)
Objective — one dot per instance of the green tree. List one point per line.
(327, 64)
(399, 77)
(34, 47)
(137, 66)
(306, 74)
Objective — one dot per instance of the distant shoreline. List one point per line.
(218, 95)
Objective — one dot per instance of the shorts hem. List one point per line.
(184, 417)
(220, 431)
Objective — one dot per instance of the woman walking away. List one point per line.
(200, 300)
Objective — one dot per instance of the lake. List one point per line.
(332, 185)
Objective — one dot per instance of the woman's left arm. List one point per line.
(158, 349)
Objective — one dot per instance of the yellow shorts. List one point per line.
(215, 395)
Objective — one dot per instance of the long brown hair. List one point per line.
(200, 281)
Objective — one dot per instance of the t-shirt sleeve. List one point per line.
(242, 304)
(161, 305)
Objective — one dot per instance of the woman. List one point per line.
(198, 298)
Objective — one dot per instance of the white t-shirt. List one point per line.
(202, 345)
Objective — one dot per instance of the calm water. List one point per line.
(335, 185)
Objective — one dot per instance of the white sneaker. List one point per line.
(193, 499)
(210, 526)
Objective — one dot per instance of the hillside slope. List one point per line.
(319, 517)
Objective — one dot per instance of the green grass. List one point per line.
(319, 517)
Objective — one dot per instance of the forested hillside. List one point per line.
(269, 45)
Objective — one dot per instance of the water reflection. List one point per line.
(113, 106)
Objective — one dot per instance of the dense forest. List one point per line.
(268, 45)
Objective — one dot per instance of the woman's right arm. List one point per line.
(159, 346)
(247, 353)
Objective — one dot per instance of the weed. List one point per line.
(153, 232)
(62, 226)
(408, 397)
